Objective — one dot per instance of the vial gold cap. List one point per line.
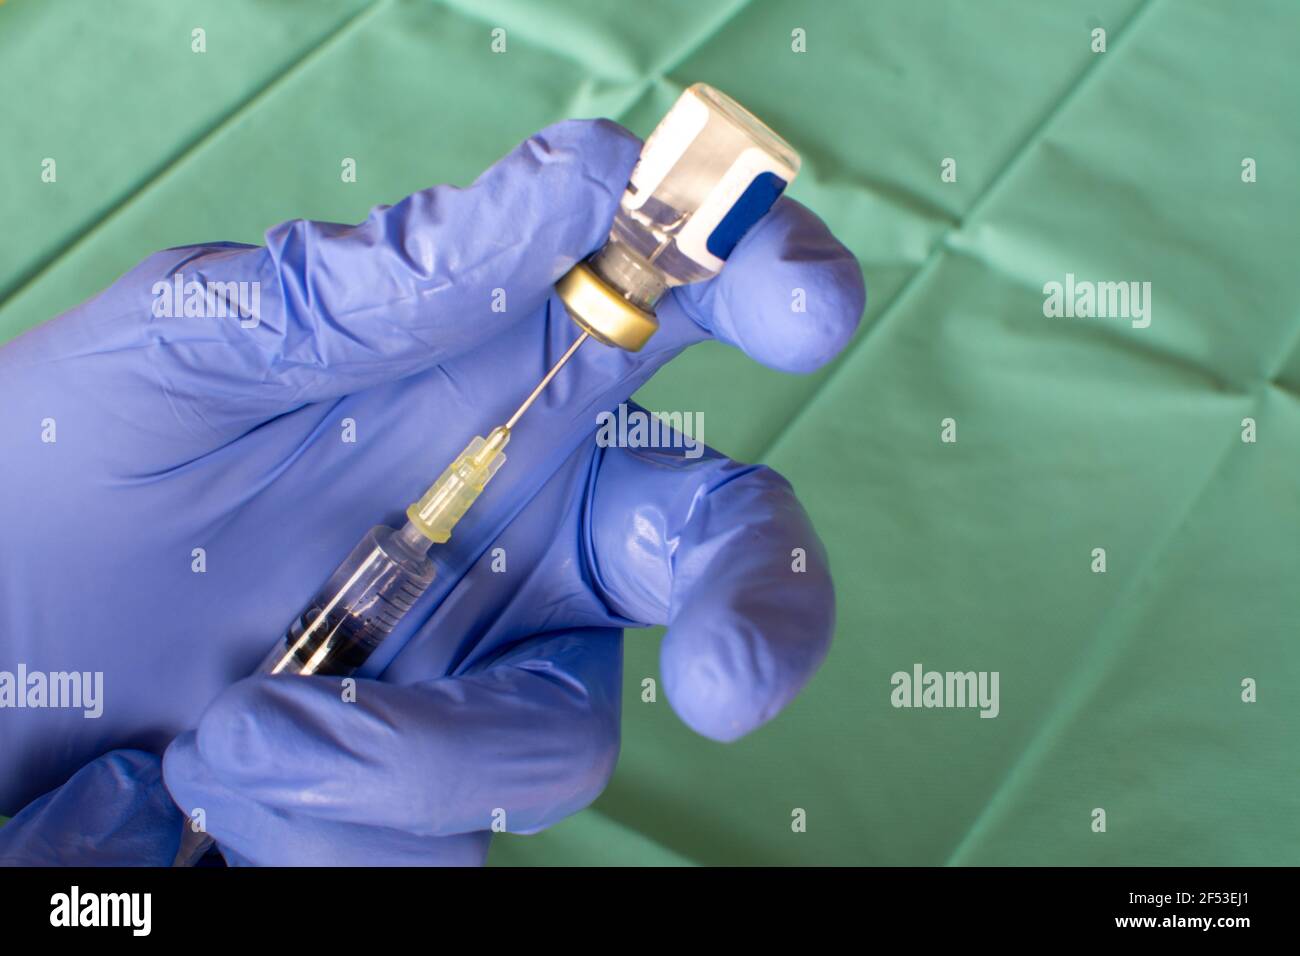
(597, 308)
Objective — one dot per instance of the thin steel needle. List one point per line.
(510, 423)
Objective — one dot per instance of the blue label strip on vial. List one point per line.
(749, 208)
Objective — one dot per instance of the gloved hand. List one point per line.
(179, 434)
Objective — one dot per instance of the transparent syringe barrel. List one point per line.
(359, 605)
(707, 173)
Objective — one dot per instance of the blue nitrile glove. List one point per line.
(178, 434)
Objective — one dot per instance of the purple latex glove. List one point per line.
(497, 701)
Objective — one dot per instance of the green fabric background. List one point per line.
(1119, 690)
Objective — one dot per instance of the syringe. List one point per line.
(366, 597)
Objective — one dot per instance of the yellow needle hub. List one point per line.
(448, 498)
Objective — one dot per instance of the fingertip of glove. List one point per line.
(740, 649)
(600, 152)
(791, 297)
(584, 140)
(713, 705)
(732, 681)
(554, 196)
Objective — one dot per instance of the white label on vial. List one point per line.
(666, 145)
(692, 241)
